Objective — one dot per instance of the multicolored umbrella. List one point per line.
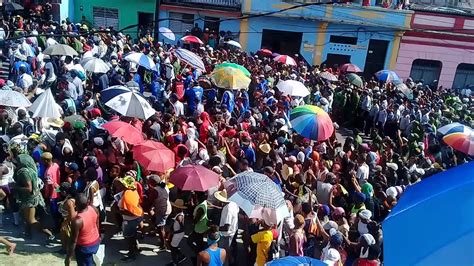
(328, 76)
(285, 59)
(233, 65)
(258, 196)
(167, 33)
(293, 88)
(192, 39)
(311, 122)
(355, 80)
(194, 178)
(459, 137)
(190, 58)
(388, 76)
(264, 52)
(127, 102)
(154, 156)
(347, 68)
(140, 59)
(124, 131)
(60, 49)
(230, 78)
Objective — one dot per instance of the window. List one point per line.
(426, 70)
(182, 22)
(343, 39)
(464, 76)
(105, 17)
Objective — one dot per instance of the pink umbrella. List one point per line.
(124, 131)
(194, 178)
(192, 39)
(350, 68)
(154, 156)
(286, 60)
(264, 52)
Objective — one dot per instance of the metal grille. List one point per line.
(105, 17)
(180, 27)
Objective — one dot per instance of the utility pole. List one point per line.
(157, 19)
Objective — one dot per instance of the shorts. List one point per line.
(130, 227)
(160, 220)
(85, 254)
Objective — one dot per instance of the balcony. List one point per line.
(231, 5)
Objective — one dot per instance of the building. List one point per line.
(440, 48)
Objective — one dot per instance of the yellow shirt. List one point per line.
(263, 239)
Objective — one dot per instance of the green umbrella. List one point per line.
(355, 80)
(236, 66)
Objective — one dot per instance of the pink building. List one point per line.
(440, 47)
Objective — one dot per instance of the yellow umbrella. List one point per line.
(230, 78)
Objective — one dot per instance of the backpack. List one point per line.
(27, 128)
(273, 251)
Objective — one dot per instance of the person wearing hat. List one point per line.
(177, 231)
(72, 172)
(263, 239)
(213, 255)
(228, 223)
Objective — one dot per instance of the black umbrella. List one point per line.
(11, 7)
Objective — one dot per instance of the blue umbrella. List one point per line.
(296, 261)
(388, 76)
(190, 58)
(417, 233)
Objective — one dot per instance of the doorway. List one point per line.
(212, 24)
(376, 55)
(337, 59)
(145, 23)
(282, 42)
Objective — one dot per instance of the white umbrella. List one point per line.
(87, 54)
(45, 106)
(140, 59)
(293, 88)
(128, 102)
(60, 49)
(95, 65)
(234, 43)
(13, 99)
(167, 33)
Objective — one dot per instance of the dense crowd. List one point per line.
(337, 191)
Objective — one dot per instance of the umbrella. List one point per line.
(285, 59)
(296, 261)
(234, 43)
(13, 99)
(328, 76)
(350, 68)
(60, 49)
(127, 102)
(192, 39)
(194, 178)
(190, 58)
(233, 65)
(140, 59)
(452, 128)
(388, 76)
(459, 137)
(355, 80)
(311, 122)
(275, 54)
(264, 52)
(204, 82)
(258, 196)
(124, 131)
(293, 88)
(450, 190)
(73, 118)
(405, 90)
(45, 106)
(230, 78)
(12, 7)
(95, 65)
(167, 33)
(154, 156)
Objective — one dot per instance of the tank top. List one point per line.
(214, 257)
(89, 233)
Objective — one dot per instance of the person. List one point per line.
(177, 232)
(10, 246)
(213, 255)
(161, 207)
(201, 225)
(297, 238)
(67, 208)
(263, 239)
(85, 238)
(92, 191)
(228, 224)
(52, 181)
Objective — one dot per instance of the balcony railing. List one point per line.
(217, 4)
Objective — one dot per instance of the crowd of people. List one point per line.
(338, 191)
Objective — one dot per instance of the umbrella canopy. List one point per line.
(459, 137)
(234, 43)
(405, 90)
(450, 190)
(194, 178)
(45, 106)
(236, 66)
(285, 59)
(154, 156)
(73, 118)
(95, 65)
(190, 58)
(127, 102)
(293, 88)
(328, 76)
(388, 76)
(60, 49)
(355, 80)
(347, 68)
(140, 59)
(296, 261)
(124, 131)
(167, 33)
(311, 122)
(192, 39)
(258, 196)
(230, 78)
(13, 99)
(12, 7)
(264, 52)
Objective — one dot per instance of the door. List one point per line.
(145, 22)
(212, 24)
(426, 70)
(282, 42)
(376, 55)
(336, 59)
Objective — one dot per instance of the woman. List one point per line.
(92, 192)
(67, 209)
(297, 238)
(205, 127)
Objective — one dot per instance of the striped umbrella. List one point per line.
(285, 59)
(388, 76)
(127, 102)
(311, 122)
(230, 78)
(167, 33)
(328, 76)
(192, 39)
(258, 196)
(236, 66)
(190, 58)
(140, 59)
(459, 137)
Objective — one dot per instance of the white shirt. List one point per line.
(363, 173)
(230, 216)
(25, 81)
(50, 42)
(178, 108)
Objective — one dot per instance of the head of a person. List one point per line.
(60, 139)
(47, 159)
(65, 189)
(90, 174)
(81, 202)
(299, 221)
(114, 171)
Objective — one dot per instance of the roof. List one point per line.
(443, 10)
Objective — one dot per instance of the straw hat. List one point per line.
(179, 203)
(221, 196)
(265, 148)
(286, 171)
(55, 122)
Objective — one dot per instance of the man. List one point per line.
(161, 207)
(263, 239)
(85, 238)
(177, 105)
(200, 222)
(363, 169)
(228, 223)
(52, 181)
(25, 81)
(213, 255)
(193, 96)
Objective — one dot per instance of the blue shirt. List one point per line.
(249, 154)
(191, 95)
(228, 99)
(138, 80)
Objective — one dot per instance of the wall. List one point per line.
(66, 10)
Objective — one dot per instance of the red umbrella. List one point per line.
(350, 68)
(154, 156)
(192, 39)
(264, 52)
(125, 131)
(194, 178)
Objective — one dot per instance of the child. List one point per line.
(177, 232)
